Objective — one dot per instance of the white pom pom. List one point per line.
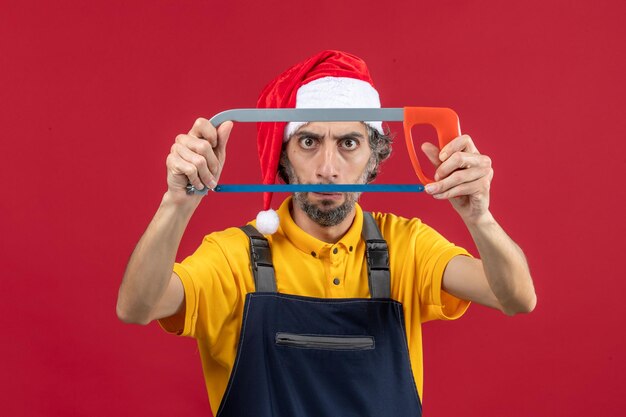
(267, 222)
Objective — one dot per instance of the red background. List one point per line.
(93, 94)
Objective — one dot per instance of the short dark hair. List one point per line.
(380, 144)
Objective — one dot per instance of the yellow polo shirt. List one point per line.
(217, 278)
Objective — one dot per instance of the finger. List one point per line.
(179, 166)
(223, 133)
(201, 147)
(203, 129)
(463, 143)
(465, 176)
(432, 153)
(461, 160)
(202, 164)
(460, 190)
(474, 188)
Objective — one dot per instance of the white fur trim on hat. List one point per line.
(267, 222)
(335, 92)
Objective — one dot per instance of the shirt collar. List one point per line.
(310, 244)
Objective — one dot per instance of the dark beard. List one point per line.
(330, 216)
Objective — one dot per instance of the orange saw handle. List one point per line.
(444, 120)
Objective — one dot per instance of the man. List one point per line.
(322, 316)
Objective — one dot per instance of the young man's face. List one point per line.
(328, 153)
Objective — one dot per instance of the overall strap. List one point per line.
(377, 255)
(260, 260)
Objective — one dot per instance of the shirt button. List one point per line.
(336, 281)
(313, 254)
(351, 248)
(335, 251)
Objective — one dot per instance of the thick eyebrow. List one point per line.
(351, 135)
(309, 134)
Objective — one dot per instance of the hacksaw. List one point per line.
(444, 120)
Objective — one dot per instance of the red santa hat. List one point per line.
(329, 79)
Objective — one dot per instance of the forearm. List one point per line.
(504, 265)
(150, 266)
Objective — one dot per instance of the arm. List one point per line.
(149, 289)
(501, 278)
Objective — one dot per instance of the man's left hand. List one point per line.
(463, 176)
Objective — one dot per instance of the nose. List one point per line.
(327, 169)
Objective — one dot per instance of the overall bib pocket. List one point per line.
(328, 342)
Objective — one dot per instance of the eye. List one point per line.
(307, 142)
(349, 144)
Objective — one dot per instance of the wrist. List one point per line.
(484, 219)
(180, 201)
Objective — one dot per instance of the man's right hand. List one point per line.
(149, 289)
(197, 158)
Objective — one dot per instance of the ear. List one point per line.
(372, 169)
(284, 166)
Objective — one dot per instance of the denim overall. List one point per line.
(303, 356)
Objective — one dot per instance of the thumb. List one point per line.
(223, 133)
(432, 152)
